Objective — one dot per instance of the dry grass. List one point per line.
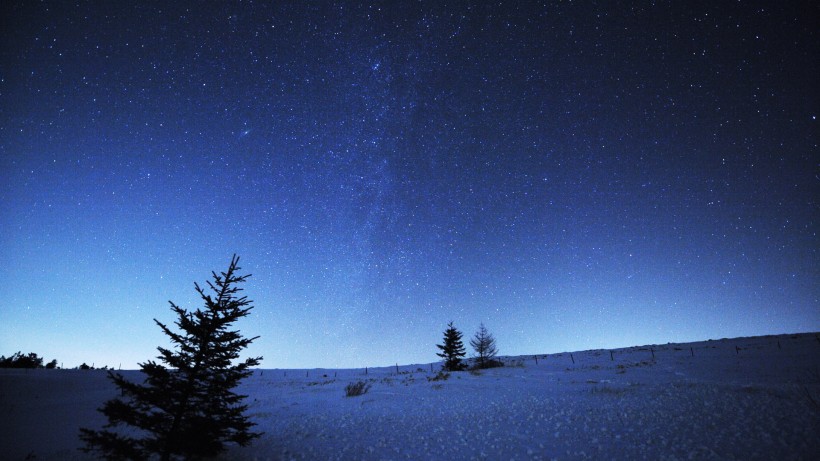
(356, 389)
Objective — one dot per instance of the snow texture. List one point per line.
(744, 398)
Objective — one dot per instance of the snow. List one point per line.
(744, 398)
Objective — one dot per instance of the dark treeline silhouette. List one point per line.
(30, 360)
(86, 366)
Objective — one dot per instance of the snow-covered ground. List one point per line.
(745, 398)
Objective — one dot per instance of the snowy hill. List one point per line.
(744, 398)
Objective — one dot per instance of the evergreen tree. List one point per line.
(452, 350)
(484, 345)
(188, 410)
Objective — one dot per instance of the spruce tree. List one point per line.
(484, 345)
(452, 350)
(189, 409)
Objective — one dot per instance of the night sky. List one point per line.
(574, 175)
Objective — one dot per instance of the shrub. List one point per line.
(494, 363)
(440, 376)
(356, 389)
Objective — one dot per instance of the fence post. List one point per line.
(573, 358)
(536, 360)
(653, 353)
(397, 367)
(692, 351)
(611, 356)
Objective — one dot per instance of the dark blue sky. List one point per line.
(574, 175)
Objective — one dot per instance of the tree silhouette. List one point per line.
(484, 345)
(19, 360)
(188, 410)
(452, 350)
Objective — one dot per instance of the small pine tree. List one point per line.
(452, 350)
(188, 410)
(484, 345)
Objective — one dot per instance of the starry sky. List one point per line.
(574, 175)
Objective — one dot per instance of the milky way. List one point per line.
(573, 175)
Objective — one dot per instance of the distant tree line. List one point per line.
(453, 351)
(86, 366)
(30, 360)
